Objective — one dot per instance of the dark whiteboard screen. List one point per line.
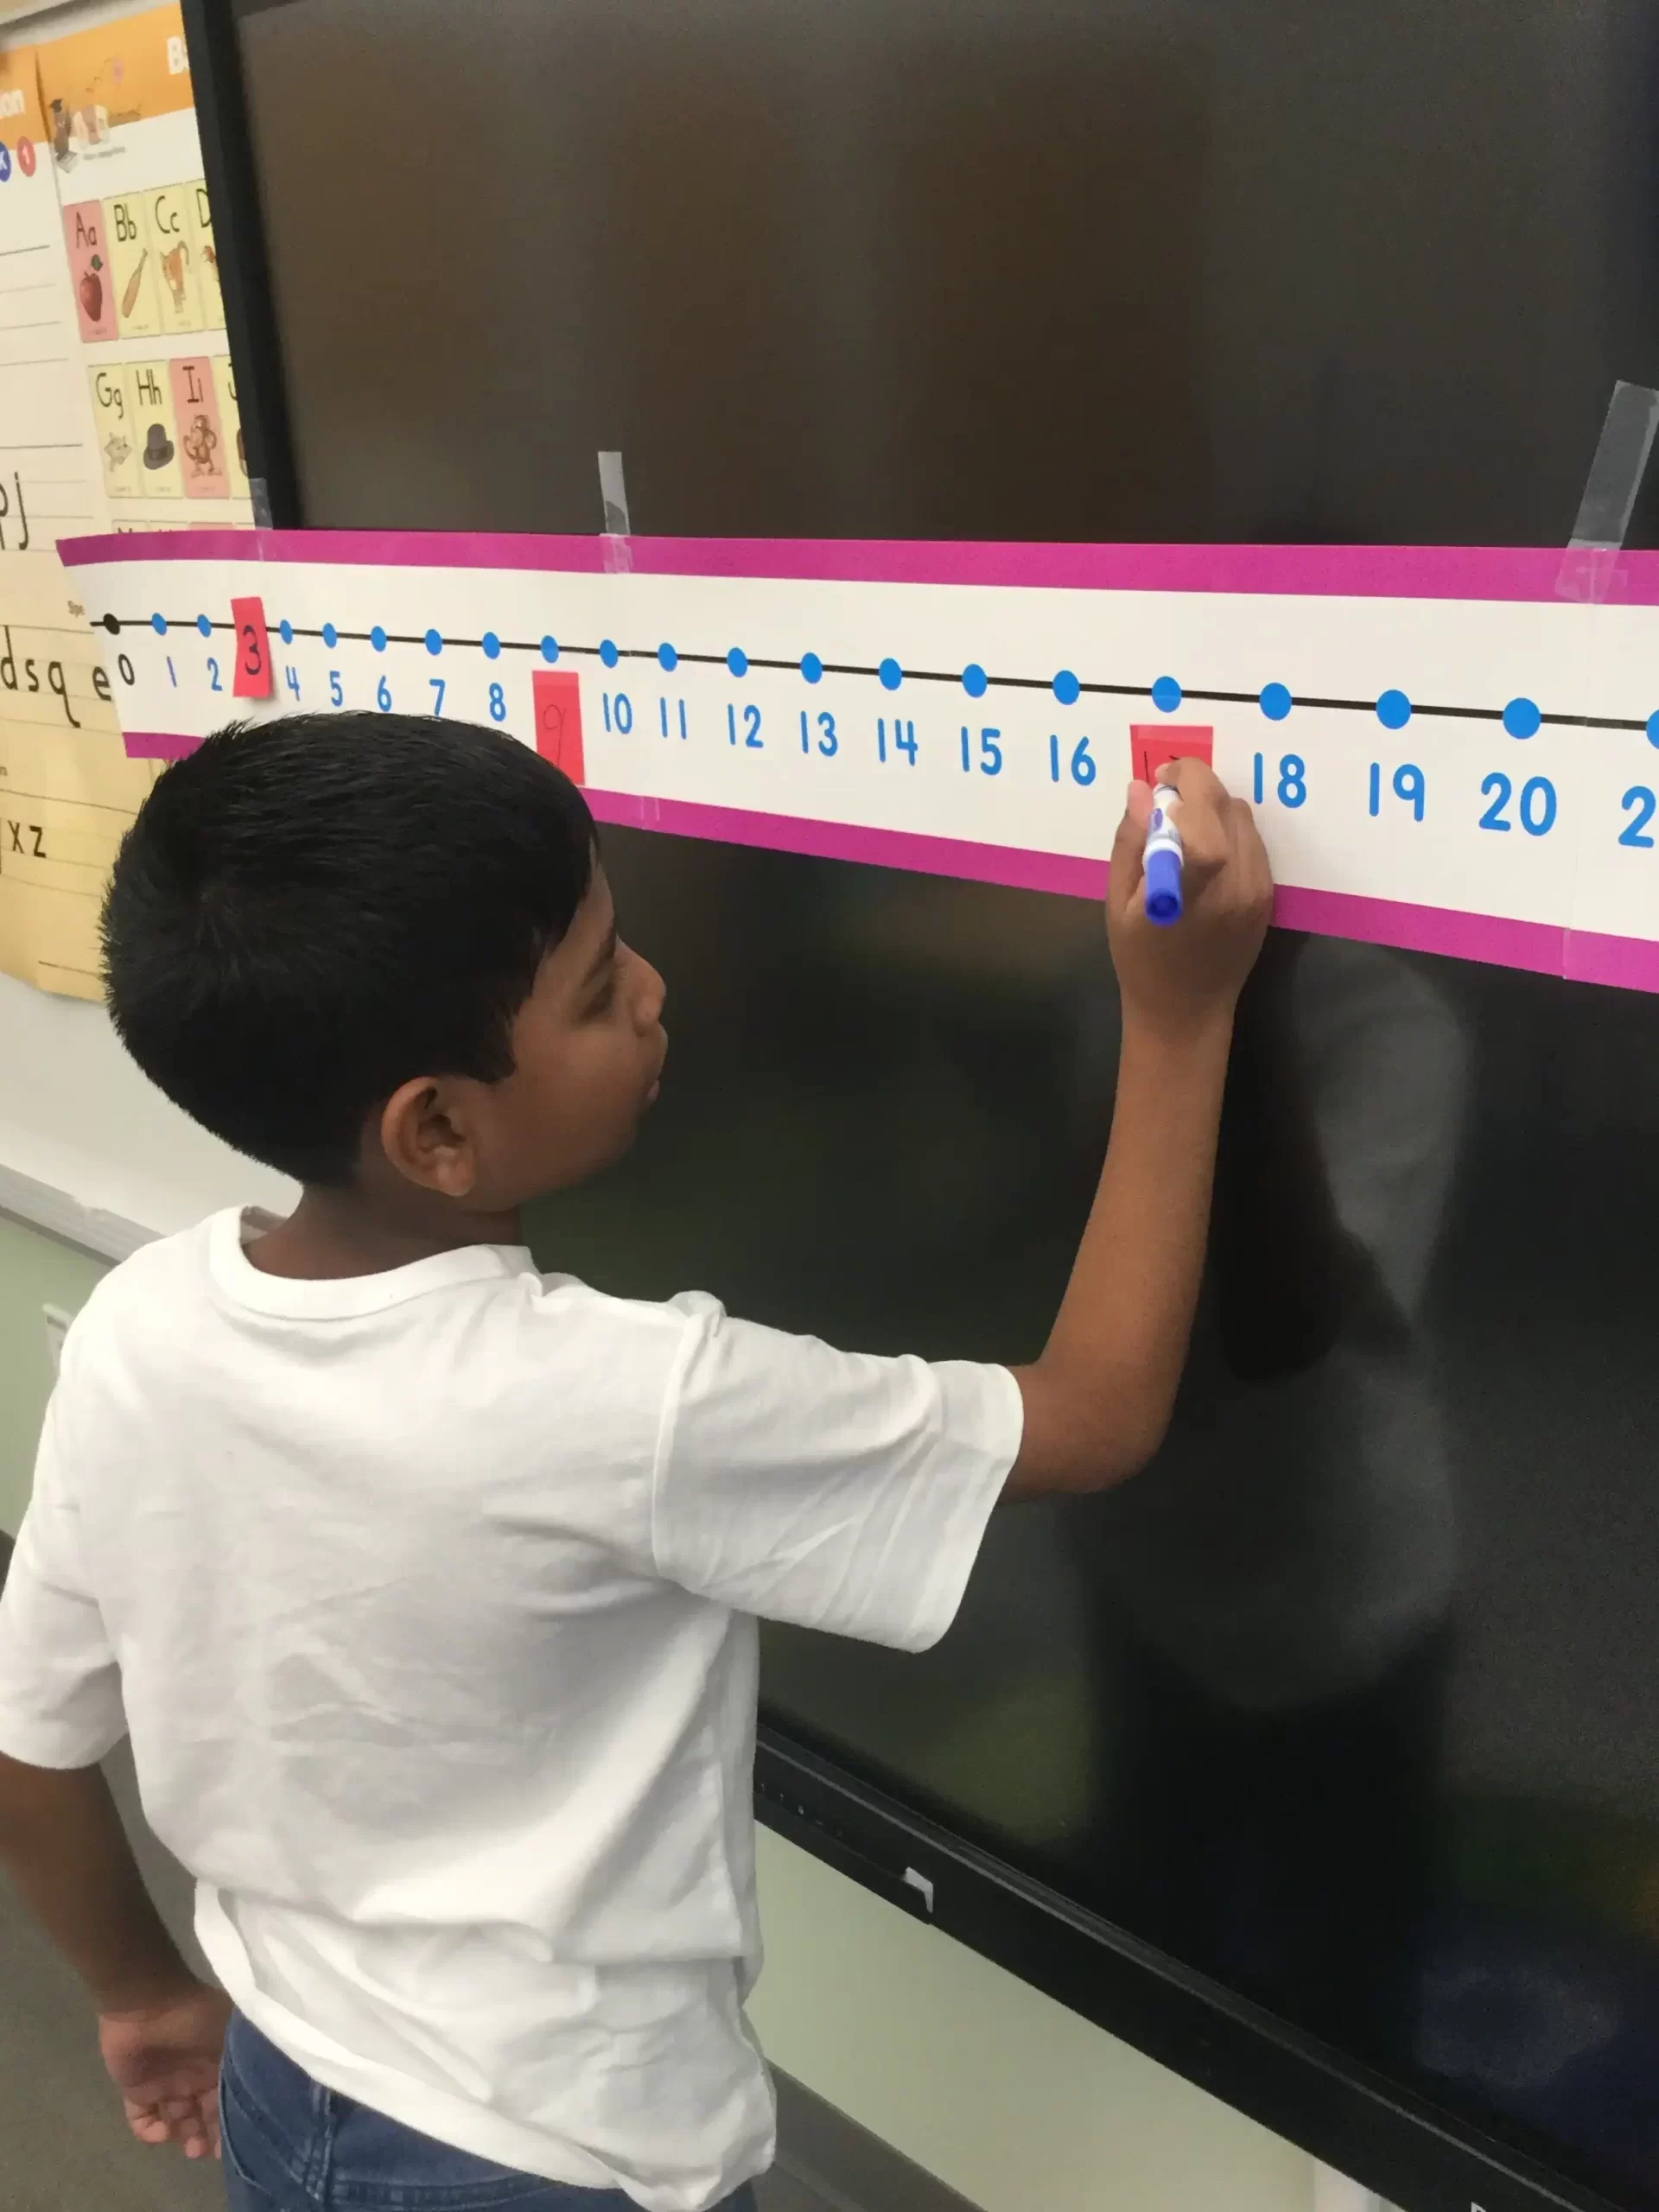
(1350, 1701)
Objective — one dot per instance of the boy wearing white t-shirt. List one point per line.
(425, 1584)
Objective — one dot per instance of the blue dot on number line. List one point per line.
(973, 680)
(1394, 711)
(738, 661)
(378, 639)
(667, 659)
(285, 631)
(550, 649)
(492, 645)
(1522, 718)
(1275, 700)
(1653, 727)
(1067, 690)
(811, 668)
(158, 624)
(434, 642)
(1165, 695)
(607, 651)
(330, 636)
(204, 625)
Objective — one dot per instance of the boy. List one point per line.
(425, 1584)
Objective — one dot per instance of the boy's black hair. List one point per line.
(310, 912)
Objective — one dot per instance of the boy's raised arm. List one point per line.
(1098, 1399)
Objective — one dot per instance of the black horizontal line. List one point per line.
(909, 675)
(56, 798)
(7, 251)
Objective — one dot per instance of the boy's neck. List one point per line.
(337, 1233)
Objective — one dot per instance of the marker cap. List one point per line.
(1163, 887)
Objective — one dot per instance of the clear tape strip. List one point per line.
(1609, 492)
(613, 492)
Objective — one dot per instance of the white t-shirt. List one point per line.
(427, 1598)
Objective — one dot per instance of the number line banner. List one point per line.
(1444, 752)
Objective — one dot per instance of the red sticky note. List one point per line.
(252, 650)
(1152, 743)
(558, 719)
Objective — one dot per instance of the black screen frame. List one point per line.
(1372, 2128)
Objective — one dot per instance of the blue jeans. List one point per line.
(291, 2145)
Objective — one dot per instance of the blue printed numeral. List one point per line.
(990, 753)
(752, 739)
(1537, 807)
(904, 739)
(1292, 788)
(1083, 770)
(1635, 832)
(1408, 783)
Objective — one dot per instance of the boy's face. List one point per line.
(588, 1047)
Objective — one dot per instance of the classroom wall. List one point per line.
(35, 1271)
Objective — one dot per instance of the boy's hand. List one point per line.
(164, 2060)
(1183, 978)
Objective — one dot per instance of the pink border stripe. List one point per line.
(157, 744)
(1524, 573)
(1538, 946)
(159, 545)
(841, 841)
(1631, 962)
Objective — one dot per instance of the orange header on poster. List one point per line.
(123, 72)
(21, 115)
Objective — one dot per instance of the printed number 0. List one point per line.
(497, 703)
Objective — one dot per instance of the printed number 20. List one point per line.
(1537, 804)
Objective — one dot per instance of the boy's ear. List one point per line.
(425, 1133)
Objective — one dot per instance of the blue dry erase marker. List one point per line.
(1163, 858)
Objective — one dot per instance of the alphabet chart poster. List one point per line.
(1444, 752)
(67, 787)
(121, 404)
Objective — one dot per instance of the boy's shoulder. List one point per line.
(162, 1267)
(162, 1291)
